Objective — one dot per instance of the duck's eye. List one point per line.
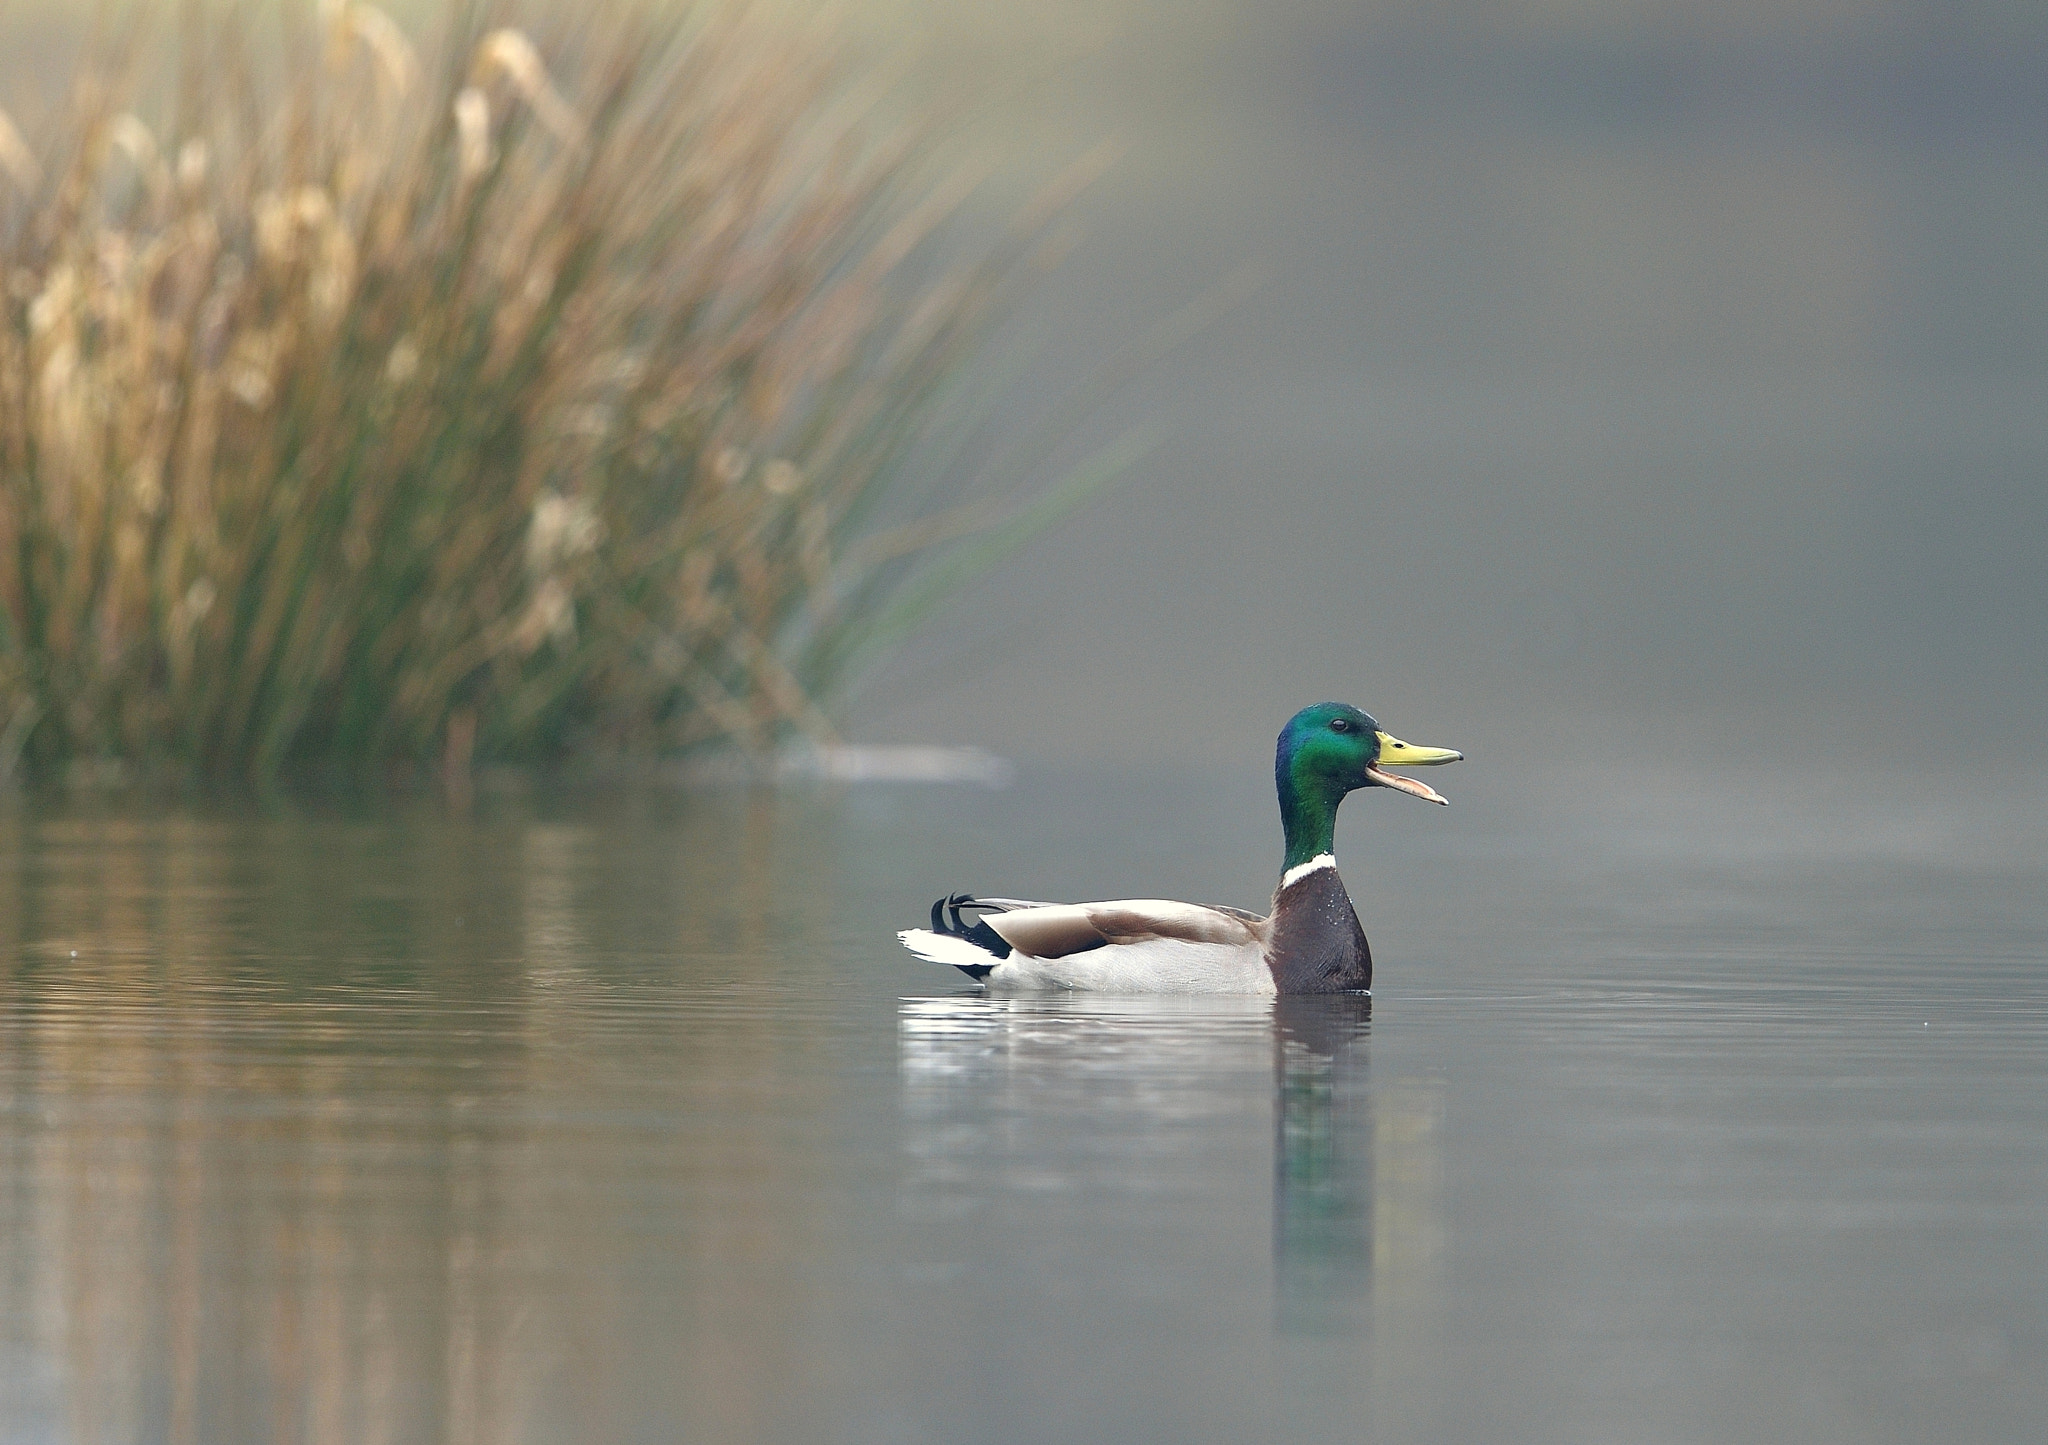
(1340, 725)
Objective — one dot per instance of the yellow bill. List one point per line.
(1395, 753)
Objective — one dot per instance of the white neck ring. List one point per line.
(1301, 870)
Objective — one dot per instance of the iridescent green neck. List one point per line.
(1308, 813)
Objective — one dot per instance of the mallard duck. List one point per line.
(1309, 943)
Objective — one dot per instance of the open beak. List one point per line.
(1395, 753)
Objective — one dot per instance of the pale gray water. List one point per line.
(626, 1120)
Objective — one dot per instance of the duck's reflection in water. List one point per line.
(1357, 1226)
(1322, 1165)
(1091, 1094)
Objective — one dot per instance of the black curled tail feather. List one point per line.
(946, 919)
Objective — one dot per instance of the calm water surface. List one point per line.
(625, 1120)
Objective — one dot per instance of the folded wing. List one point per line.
(1057, 930)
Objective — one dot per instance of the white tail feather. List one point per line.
(946, 949)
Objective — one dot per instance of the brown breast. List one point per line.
(1314, 943)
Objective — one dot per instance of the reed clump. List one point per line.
(367, 406)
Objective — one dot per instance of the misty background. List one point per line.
(1629, 381)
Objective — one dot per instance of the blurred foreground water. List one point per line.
(1704, 1113)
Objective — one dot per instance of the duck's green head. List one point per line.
(1327, 751)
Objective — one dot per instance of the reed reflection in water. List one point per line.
(323, 1129)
